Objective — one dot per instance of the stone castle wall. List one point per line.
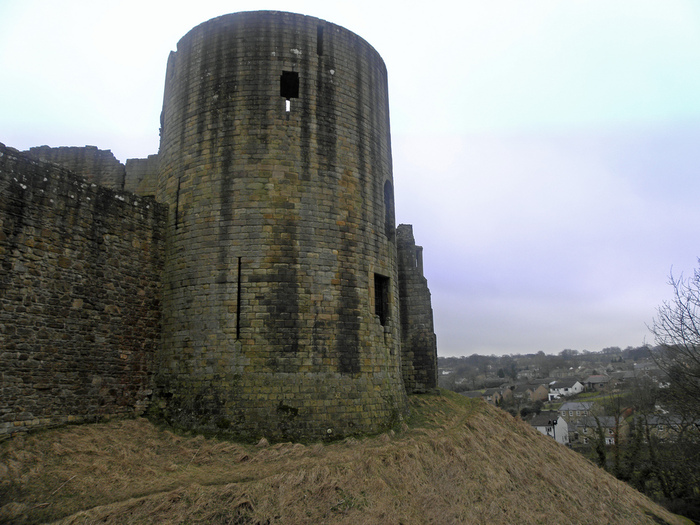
(80, 293)
(141, 176)
(275, 159)
(267, 293)
(96, 165)
(418, 341)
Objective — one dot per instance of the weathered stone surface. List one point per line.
(418, 341)
(261, 298)
(80, 291)
(96, 165)
(141, 175)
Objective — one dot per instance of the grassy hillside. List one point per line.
(457, 461)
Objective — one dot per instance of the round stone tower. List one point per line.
(280, 302)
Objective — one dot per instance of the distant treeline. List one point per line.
(479, 371)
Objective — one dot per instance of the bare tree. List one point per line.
(615, 405)
(676, 331)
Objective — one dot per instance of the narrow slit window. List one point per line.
(177, 204)
(238, 301)
(389, 226)
(381, 298)
(319, 40)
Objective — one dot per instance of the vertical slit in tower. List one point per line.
(177, 204)
(319, 40)
(238, 302)
(389, 220)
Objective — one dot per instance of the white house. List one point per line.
(565, 387)
(551, 424)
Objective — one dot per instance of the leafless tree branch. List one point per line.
(676, 331)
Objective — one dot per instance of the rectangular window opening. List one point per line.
(289, 84)
(381, 298)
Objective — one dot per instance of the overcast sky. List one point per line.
(546, 152)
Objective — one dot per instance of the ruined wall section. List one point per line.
(138, 176)
(80, 291)
(276, 162)
(142, 176)
(95, 165)
(418, 340)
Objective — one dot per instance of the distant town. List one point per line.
(618, 407)
(478, 372)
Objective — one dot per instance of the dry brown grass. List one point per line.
(459, 461)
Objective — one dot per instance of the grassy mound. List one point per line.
(456, 461)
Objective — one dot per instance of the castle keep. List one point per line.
(249, 279)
